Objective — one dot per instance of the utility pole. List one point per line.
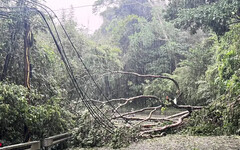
(27, 46)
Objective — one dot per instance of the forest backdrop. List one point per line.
(196, 43)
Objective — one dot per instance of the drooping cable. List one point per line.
(70, 66)
(69, 69)
(70, 72)
(80, 92)
(78, 55)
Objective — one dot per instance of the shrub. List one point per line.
(20, 119)
(90, 134)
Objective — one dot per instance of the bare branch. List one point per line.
(126, 99)
(134, 98)
(150, 119)
(150, 115)
(179, 122)
(177, 115)
(150, 76)
(187, 107)
(134, 112)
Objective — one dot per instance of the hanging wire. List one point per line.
(75, 50)
(93, 112)
(96, 116)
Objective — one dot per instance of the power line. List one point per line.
(96, 113)
(83, 6)
(79, 57)
(93, 112)
(76, 7)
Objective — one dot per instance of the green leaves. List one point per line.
(16, 114)
(216, 16)
(90, 134)
(222, 77)
(160, 88)
(228, 56)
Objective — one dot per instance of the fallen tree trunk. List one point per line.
(145, 122)
(164, 128)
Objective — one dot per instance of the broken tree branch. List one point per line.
(149, 76)
(134, 112)
(161, 129)
(125, 99)
(134, 98)
(176, 119)
(150, 115)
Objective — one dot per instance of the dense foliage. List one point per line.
(222, 115)
(217, 15)
(206, 66)
(136, 36)
(90, 134)
(21, 116)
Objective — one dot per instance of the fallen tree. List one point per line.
(149, 125)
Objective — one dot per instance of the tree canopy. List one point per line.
(217, 15)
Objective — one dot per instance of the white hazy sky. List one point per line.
(83, 15)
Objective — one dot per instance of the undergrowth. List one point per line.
(90, 134)
(219, 118)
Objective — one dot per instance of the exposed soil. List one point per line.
(182, 142)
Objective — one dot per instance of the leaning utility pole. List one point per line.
(27, 46)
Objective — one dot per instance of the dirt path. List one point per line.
(181, 142)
